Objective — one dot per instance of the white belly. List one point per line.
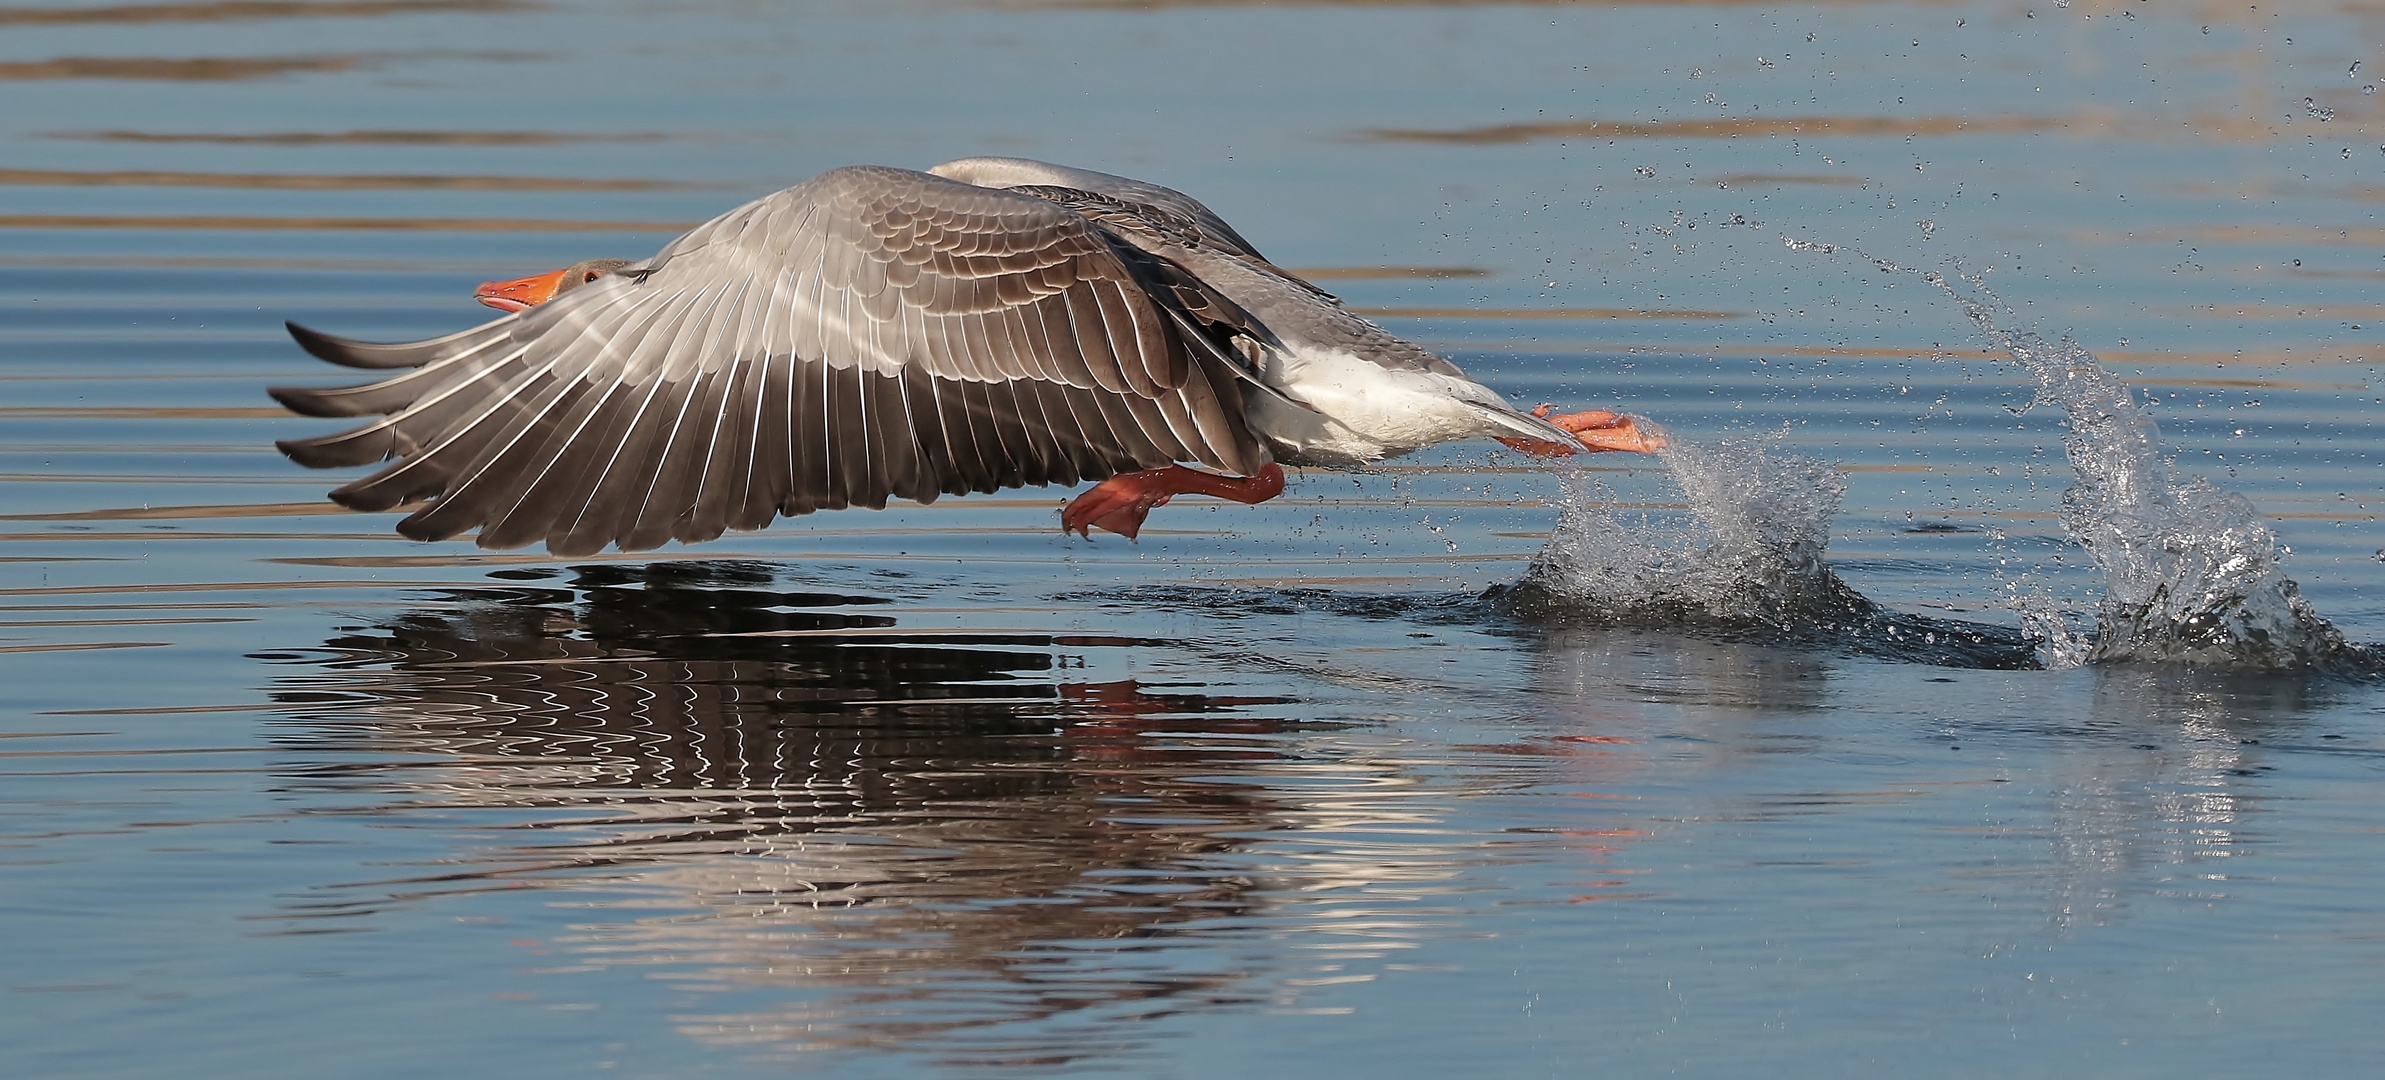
(1362, 412)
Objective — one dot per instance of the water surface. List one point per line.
(1318, 786)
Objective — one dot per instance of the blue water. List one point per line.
(1332, 785)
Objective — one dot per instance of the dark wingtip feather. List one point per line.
(367, 496)
(355, 354)
(305, 402)
(412, 527)
(334, 451)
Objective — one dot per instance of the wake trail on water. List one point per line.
(2190, 570)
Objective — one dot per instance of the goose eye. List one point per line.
(592, 275)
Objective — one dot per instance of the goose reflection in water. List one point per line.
(916, 839)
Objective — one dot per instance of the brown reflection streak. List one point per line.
(1776, 179)
(222, 510)
(140, 478)
(251, 9)
(83, 646)
(1726, 127)
(176, 534)
(1693, 351)
(1545, 313)
(214, 69)
(2245, 384)
(2297, 311)
(210, 586)
(135, 412)
(222, 262)
(154, 710)
(1171, 5)
(62, 178)
(1376, 273)
(251, 224)
(2360, 235)
(367, 138)
(55, 623)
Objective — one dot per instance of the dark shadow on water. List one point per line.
(1823, 615)
(1821, 612)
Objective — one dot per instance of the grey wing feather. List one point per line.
(871, 333)
(1003, 172)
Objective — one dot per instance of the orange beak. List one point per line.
(520, 293)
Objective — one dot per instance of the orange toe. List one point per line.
(1120, 503)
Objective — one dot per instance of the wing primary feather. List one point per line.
(520, 501)
(617, 490)
(738, 485)
(806, 487)
(772, 466)
(1054, 464)
(847, 440)
(370, 355)
(692, 524)
(577, 522)
(475, 450)
(1075, 431)
(686, 501)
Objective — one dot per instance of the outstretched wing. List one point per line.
(873, 332)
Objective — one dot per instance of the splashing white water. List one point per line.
(1749, 550)
(2190, 570)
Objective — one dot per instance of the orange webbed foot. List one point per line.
(1120, 503)
(1600, 430)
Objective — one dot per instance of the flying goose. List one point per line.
(877, 332)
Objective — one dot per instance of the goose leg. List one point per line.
(1120, 503)
(1598, 429)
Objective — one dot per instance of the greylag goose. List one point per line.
(876, 332)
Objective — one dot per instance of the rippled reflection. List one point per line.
(940, 832)
(829, 825)
(2165, 785)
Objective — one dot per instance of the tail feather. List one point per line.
(1523, 424)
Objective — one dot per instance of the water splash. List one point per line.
(2191, 571)
(1749, 550)
(1741, 557)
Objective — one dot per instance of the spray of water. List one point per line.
(2190, 570)
(1748, 550)
(1741, 556)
